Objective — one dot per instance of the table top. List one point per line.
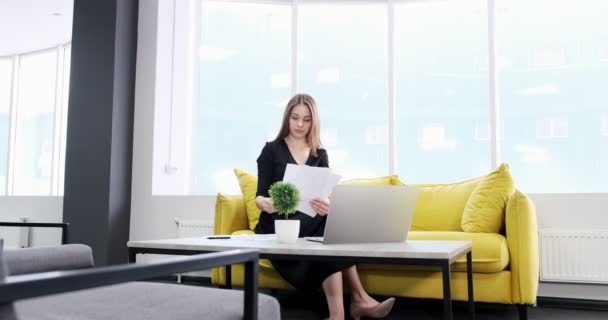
(268, 244)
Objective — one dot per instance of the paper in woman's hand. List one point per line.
(312, 182)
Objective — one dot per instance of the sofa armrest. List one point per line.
(522, 239)
(35, 285)
(230, 214)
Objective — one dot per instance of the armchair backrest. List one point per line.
(53, 283)
(3, 267)
(40, 259)
(7, 311)
(52, 258)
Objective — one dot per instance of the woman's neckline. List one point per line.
(291, 154)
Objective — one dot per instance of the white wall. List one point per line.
(586, 211)
(152, 216)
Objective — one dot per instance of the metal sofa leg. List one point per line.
(523, 311)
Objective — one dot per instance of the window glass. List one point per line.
(552, 82)
(244, 86)
(6, 69)
(442, 101)
(342, 62)
(35, 121)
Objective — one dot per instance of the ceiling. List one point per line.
(30, 25)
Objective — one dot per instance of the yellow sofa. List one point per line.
(505, 263)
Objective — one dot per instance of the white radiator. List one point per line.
(190, 229)
(193, 228)
(574, 255)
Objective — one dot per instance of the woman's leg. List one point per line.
(362, 305)
(332, 286)
(359, 295)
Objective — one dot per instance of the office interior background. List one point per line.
(434, 91)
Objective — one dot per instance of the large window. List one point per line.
(552, 80)
(33, 105)
(244, 83)
(6, 71)
(342, 63)
(442, 104)
(435, 91)
(34, 136)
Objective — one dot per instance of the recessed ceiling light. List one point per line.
(56, 14)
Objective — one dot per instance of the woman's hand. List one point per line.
(321, 206)
(265, 204)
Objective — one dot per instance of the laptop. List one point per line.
(363, 214)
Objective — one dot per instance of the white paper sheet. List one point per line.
(312, 182)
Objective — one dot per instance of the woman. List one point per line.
(298, 142)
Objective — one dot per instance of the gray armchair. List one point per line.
(41, 283)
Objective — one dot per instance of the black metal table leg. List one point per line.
(470, 285)
(523, 311)
(447, 295)
(132, 255)
(251, 290)
(228, 277)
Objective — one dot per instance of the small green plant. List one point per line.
(285, 197)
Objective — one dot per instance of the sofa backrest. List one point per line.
(475, 205)
(53, 258)
(230, 214)
(440, 206)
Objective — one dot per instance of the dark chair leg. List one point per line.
(523, 311)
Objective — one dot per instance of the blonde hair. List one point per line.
(313, 138)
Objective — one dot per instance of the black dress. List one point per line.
(303, 275)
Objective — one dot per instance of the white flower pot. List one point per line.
(287, 230)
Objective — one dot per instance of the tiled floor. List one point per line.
(301, 307)
(298, 307)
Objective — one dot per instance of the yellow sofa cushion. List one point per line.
(249, 185)
(488, 287)
(490, 251)
(391, 180)
(439, 206)
(230, 214)
(484, 211)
